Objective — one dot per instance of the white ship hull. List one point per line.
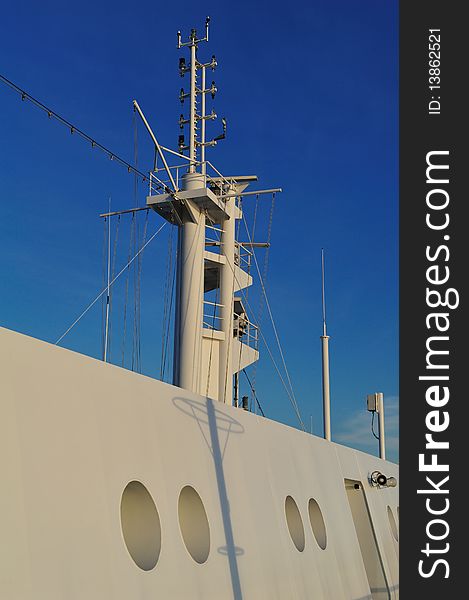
(75, 431)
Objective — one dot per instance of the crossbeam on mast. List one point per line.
(123, 212)
(244, 244)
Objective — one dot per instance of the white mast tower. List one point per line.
(207, 355)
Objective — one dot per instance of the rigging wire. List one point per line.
(217, 299)
(166, 293)
(168, 334)
(94, 144)
(137, 266)
(112, 282)
(254, 393)
(253, 232)
(103, 303)
(171, 271)
(289, 392)
(240, 205)
(136, 172)
(126, 295)
(254, 221)
(135, 236)
(166, 299)
(274, 328)
(135, 124)
(111, 290)
(134, 279)
(266, 266)
(108, 273)
(154, 184)
(139, 297)
(217, 294)
(228, 358)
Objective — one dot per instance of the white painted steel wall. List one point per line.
(75, 431)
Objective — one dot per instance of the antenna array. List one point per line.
(197, 117)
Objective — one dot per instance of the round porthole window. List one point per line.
(317, 523)
(140, 525)
(295, 524)
(194, 525)
(392, 524)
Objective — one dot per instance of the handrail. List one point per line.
(215, 180)
(250, 334)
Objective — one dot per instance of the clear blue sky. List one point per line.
(310, 92)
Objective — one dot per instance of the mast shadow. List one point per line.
(211, 422)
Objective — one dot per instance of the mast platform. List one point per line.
(203, 198)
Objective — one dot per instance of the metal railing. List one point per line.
(210, 173)
(243, 257)
(211, 316)
(213, 237)
(243, 330)
(246, 332)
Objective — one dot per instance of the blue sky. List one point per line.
(310, 92)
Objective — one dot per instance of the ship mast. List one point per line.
(207, 354)
(187, 369)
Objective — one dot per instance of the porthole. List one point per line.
(317, 523)
(392, 524)
(140, 525)
(295, 524)
(193, 524)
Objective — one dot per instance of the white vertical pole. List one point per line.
(177, 304)
(190, 277)
(325, 387)
(106, 336)
(382, 442)
(192, 124)
(326, 399)
(190, 309)
(227, 271)
(202, 125)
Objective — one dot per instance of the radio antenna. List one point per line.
(324, 330)
(326, 398)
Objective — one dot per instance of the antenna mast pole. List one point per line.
(193, 101)
(191, 239)
(202, 125)
(326, 399)
(196, 204)
(382, 442)
(106, 336)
